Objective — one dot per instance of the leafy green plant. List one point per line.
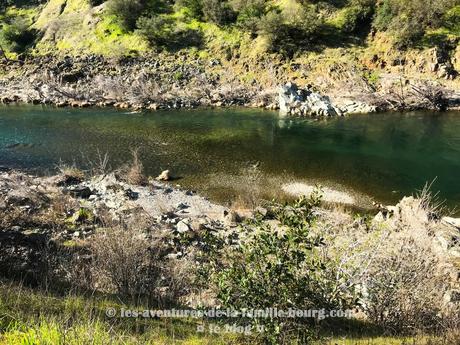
(277, 267)
(162, 31)
(452, 20)
(126, 11)
(218, 12)
(249, 13)
(195, 7)
(286, 35)
(158, 30)
(358, 14)
(408, 20)
(17, 35)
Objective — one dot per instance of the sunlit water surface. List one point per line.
(384, 156)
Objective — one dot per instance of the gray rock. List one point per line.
(79, 192)
(183, 227)
(304, 102)
(67, 180)
(181, 206)
(164, 176)
(131, 194)
(452, 221)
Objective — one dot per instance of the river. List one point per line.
(383, 156)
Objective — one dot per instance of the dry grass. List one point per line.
(70, 171)
(430, 202)
(131, 264)
(133, 173)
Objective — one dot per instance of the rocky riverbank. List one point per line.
(69, 207)
(180, 81)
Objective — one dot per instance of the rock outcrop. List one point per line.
(305, 102)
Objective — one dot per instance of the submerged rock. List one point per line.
(298, 189)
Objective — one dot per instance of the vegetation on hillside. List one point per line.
(287, 27)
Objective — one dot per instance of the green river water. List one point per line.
(384, 156)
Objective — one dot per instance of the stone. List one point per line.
(356, 107)
(304, 102)
(131, 194)
(93, 197)
(452, 296)
(164, 176)
(19, 197)
(262, 211)
(79, 192)
(183, 227)
(68, 180)
(452, 221)
(181, 206)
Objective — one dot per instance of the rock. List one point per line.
(183, 227)
(356, 107)
(164, 176)
(452, 221)
(304, 102)
(452, 296)
(181, 206)
(131, 195)
(379, 218)
(79, 192)
(19, 197)
(68, 180)
(199, 224)
(261, 211)
(231, 218)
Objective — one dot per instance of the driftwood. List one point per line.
(432, 94)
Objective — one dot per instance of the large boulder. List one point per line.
(304, 102)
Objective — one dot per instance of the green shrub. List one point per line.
(17, 35)
(408, 20)
(452, 20)
(218, 12)
(287, 35)
(195, 7)
(156, 29)
(278, 267)
(384, 16)
(358, 14)
(162, 31)
(126, 11)
(249, 13)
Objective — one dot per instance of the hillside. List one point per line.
(361, 50)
